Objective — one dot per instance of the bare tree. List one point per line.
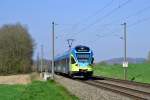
(16, 49)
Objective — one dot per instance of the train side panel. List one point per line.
(62, 66)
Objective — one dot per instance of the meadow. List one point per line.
(37, 90)
(135, 72)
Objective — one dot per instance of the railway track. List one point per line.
(127, 83)
(135, 90)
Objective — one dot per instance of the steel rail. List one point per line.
(146, 85)
(136, 94)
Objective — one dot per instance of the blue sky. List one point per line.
(94, 23)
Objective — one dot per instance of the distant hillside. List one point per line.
(120, 60)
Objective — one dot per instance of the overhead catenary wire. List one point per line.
(139, 21)
(143, 10)
(103, 17)
(135, 23)
(131, 16)
(129, 27)
(139, 12)
(94, 14)
(120, 5)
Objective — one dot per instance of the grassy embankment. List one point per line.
(136, 72)
(37, 90)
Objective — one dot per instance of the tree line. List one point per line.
(16, 49)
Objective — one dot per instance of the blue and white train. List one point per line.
(76, 62)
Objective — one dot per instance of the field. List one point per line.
(37, 90)
(135, 72)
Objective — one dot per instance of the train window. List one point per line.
(83, 55)
(72, 60)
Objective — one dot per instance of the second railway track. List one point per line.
(137, 91)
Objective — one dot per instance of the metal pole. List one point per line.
(41, 58)
(70, 41)
(125, 51)
(53, 50)
(37, 65)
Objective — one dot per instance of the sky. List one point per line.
(94, 23)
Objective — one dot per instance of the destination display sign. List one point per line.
(82, 49)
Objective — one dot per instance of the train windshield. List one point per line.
(83, 57)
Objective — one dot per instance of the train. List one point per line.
(75, 62)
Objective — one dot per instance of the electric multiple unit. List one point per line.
(76, 62)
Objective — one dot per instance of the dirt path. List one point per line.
(19, 79)
(15, 79)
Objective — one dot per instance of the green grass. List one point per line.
(37, 90)
(135, 72)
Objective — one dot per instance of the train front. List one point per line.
(81, 61)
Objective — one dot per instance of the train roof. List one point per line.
(65, 55)
(78, 48)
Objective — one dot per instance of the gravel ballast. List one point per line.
(88, 92)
